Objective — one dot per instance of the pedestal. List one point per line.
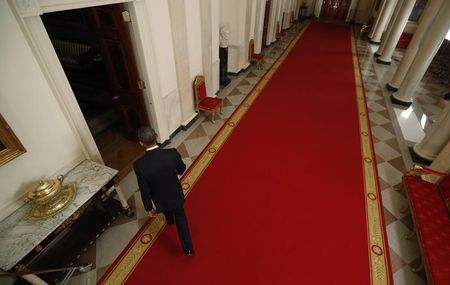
(223, 68)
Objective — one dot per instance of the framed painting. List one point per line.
(10, 146)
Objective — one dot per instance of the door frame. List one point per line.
(28, 16)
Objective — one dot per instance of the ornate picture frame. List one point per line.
(10, 146)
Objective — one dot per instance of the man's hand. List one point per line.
(152, 213)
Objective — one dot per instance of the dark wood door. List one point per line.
(335, 9)
(117, 52)
(266, 22)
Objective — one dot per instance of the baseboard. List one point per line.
(186, 125)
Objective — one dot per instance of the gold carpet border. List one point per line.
(126, 264)
(378, 258)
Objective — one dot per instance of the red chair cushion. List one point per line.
(257, 56)
(432, 224)
(444, 187)
(210, 103)
(201, 91)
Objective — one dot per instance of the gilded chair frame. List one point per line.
(199, 80)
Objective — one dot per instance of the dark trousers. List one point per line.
(180, 219)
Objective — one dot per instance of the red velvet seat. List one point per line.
(253, 57)
(432, 226)
(202, 101)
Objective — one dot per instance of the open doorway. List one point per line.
(94, 48)
(335, 10)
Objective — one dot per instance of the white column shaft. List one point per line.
(377, 18)
(431, 43)
(437, 138)
(390, 26)
(397, 30)
(386, 14)
(423, 26)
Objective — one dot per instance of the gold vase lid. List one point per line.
(44, 189)
(50, 197)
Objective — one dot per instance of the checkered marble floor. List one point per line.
(391, 140)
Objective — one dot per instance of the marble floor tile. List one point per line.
(236, 99)
(405, 276)
(381, 133)
(389, 174)
(409, 125)
(394, 202)
(195, 146)
(385, 151)
(111, 243)
(378, 119)
(408, 250)
(374, 106)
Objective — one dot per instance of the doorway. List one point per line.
(94, 48)
(335, 10)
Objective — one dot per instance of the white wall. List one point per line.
(259, 25)
(194, 37)
(161, 35)
(215, 42)
(271, 29)
(233, 13)
(30, 107)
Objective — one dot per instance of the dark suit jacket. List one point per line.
(157, 177)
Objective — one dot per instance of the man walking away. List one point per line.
(157, 174)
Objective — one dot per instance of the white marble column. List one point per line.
(437, 138)
(181, 53)
(377, 18)
(389, 28)
(428, 49)
(442, 161)
(397, 30)
(423, 27)
(259, 24)
(205, 17)
(385, 16)
(317, 8)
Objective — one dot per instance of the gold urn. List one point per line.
(50, 197)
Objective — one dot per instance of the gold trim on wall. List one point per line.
(10, 146)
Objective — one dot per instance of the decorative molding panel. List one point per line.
(28, 8)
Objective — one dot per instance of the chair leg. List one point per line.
(212, 117)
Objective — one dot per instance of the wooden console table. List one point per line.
(59, 240)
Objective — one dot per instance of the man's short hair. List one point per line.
(147, 135)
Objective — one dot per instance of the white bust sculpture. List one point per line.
(224, 35)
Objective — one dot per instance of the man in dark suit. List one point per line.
(157, 174)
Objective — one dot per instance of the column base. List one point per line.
(379, 60)
(374, 42)
(416, 158)
(398, 102)
(391, 88)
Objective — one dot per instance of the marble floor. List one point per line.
(394, 130)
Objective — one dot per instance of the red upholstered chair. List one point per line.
(253, 57)
(202, 101)
(429, 205)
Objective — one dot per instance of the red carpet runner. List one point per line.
(290, 196)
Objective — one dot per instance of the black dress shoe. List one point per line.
(189, 252)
